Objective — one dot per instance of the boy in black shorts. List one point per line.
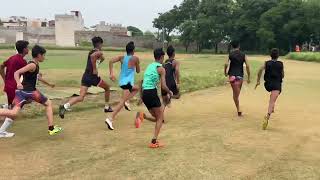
(273, 76)
(90, 78)
(27, 90)
(172, 68)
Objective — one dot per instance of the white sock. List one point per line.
(67, 106)
(107, 106)
(6, 124)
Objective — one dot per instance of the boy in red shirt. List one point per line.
(7, 70)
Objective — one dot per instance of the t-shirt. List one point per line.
(237, 59)
(151, 76)
(13, 64)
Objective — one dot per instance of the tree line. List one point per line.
(258, 24)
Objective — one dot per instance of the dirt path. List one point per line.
(205, 139)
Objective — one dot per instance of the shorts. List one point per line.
(90, 80)
(24, 97)
(11, 94)
(127, 87)
(151, 99)
(233, 79)
(273, 86)
(172, 88)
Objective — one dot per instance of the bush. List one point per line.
(305, 56)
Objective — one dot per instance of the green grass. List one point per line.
(305, 56)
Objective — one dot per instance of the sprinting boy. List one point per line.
(27, 91)
(7, 70)
(154, 74)
(130, 65)
(90, 78)
(172, 68)
(235, 65)
(273, 76)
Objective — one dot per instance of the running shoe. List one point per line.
(62, 111)
(265, 123)
(139, 119)
(55, 131)
(127, 106)
(6, 134)
(108, 110)
(109, 124)
(156, 145)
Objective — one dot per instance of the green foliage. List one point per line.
(258, 24)
(135, 31)
(305, 56)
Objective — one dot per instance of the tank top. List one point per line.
(170, 72)
(237, 59)
(89, 66)
(151, 76)
(127, 73)
(30, 79)
(273, 71)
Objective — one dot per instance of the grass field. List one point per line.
(305, 56)
(204, 137)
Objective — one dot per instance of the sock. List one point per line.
(67, 106)
(107, 106)
(51, 128)
(154, 141)
(6, 124)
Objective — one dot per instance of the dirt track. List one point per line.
(204, 137)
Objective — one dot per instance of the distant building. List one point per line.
(66, 25)
(115, 29)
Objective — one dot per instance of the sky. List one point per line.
(139, 13)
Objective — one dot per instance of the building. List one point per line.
(65, 26)
(115, 29)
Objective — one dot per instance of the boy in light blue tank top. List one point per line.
(130, 65)
(154, 75)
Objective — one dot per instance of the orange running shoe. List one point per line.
(139, 119)
(156, 145)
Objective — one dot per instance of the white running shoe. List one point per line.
(109, 124)
(127, 106)
(6, 134)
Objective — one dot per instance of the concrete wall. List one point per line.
(7, 36)
(39, 39)
(66, 25)
(113, 40)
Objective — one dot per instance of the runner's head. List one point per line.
(22, 47)
(235, 44)
(171, 52)
(159, 55)
(38, 53)
(130, 48)
(97, 42)
(274, 53)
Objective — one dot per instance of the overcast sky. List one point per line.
(139, 13)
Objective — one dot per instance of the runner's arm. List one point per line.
(164, 86)
(138, 70)
(226, 65)
(177, 71)
(247, 68)
(114, 60)
(260, 74)
(2, 73)
(41, 79)
(28, 68)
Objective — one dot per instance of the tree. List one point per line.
(135, 31)
(149, 34)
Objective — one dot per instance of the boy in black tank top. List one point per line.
(90, 78)
(274, 73)
(235, 64)
(28, 92)
(172, 68)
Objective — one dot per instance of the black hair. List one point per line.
(36, 50)
(158, 53)
(170, 51)
(130, 47)
(96, 40)
(235, 44)
(274, 53)
(21, 45)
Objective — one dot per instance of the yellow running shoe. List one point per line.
(55, 131)
(265, 123)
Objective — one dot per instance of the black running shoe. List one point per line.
(62, 110)
(127, 106)
(108, 110)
